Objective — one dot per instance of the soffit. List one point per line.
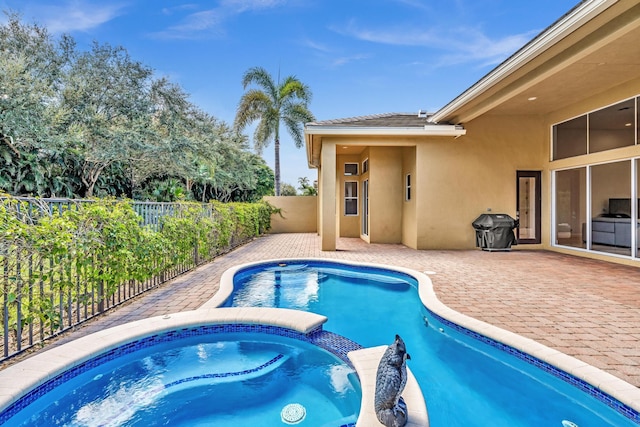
(349, 149)
(604, 69)
(355, 144)
(602, 54)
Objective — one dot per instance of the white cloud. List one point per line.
(330, 56)
(313, 45)
(208, 23)
(173, 9)
(343, 60)
(417, 4)
(75, 15)
(460, 44)
(240, 6)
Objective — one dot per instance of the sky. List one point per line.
(358, 57)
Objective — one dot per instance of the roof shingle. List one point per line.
(404, 120)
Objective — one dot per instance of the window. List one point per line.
(407, 192)
(570, 138)
(351, 198)
(604, 129)
(351, 169)
(612, 127)
(365, 166)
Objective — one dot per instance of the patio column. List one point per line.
(328, 197)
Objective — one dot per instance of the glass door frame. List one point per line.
(537, 211)
(364, 229)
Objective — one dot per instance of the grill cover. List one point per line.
(495, 231)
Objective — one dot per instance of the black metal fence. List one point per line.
(47, 291)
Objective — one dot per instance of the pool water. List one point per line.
(465, 382)
(217, 379)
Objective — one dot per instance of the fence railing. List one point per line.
(63, 261)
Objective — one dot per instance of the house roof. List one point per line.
(402, 120)
(389, 125)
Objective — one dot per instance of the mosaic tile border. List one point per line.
(335, 344)
(225, 374)
(590, 389)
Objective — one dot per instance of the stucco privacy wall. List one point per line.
(299, 214)
(461, 178)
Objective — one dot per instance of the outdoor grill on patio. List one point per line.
(494, 232)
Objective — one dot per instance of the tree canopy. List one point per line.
(98, 122)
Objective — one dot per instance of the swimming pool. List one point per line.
(467, 378)
(241, 374)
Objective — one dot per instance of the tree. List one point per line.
(96, 122)
(288, 190)
(275, 102)
(31, 65)
(107, 104)
(306, 188)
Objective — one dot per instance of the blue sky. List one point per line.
(358, 57)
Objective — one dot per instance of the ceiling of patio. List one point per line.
(350, 149)
(602, 55)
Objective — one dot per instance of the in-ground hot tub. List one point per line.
(209, 367)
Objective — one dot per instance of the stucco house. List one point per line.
(550, 137)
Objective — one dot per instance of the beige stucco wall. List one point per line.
(299, 214)
(461, 178)
(453, 181)
(385, 194)
(386, 191)
(409, 223)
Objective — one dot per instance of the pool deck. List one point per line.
(585, 308)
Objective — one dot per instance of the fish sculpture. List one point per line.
(391, 378)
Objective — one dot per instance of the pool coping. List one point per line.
(622, 391)
(19, 379)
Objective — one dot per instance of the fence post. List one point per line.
(5, 307)
(100, 296)
(196, 257)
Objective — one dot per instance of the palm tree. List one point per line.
(284, 101)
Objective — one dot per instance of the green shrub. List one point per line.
(54, 264)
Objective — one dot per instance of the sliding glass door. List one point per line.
(596, 207)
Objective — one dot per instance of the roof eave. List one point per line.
(427, 130)
(577, 17)
(453, 131)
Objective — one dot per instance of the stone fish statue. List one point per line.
(391, 378)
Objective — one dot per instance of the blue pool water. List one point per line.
(465, 382)
(235, 379)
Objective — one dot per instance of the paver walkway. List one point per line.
(588, 309)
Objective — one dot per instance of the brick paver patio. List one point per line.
(585, 308)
